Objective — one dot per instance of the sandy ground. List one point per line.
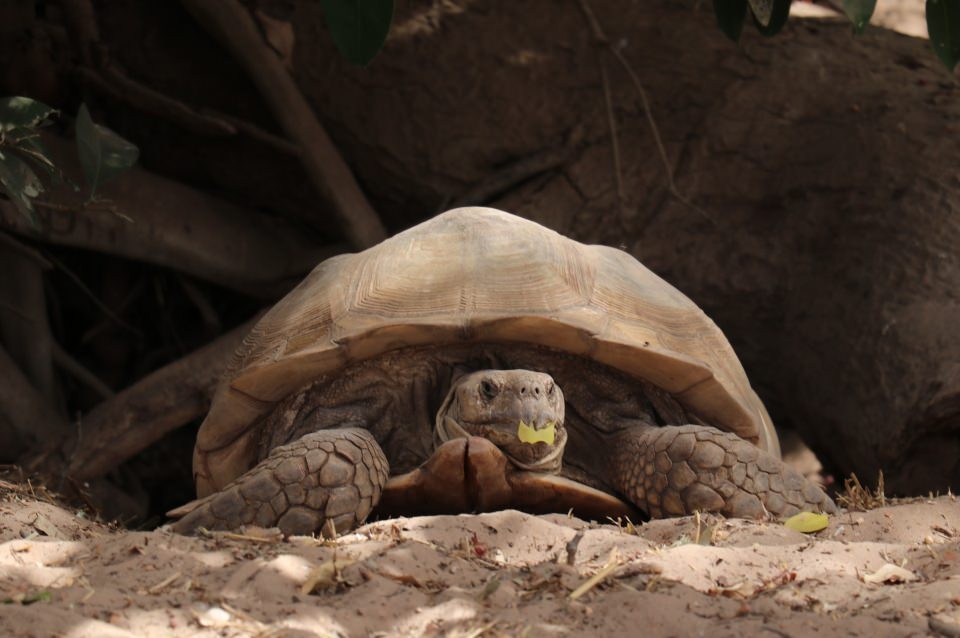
(505, 573)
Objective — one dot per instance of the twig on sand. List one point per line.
(613, 562)
(572, 546)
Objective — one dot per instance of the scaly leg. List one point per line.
(328, 475)
(677, 470)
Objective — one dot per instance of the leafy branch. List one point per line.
(103, 154)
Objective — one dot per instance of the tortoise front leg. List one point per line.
(677, 470)
(328, 475)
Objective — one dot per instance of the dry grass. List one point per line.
(857, 497)
(16, 483)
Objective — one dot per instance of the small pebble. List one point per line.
(214, 617)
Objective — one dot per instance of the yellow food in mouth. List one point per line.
(528, 434)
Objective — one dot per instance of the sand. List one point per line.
(498, 574)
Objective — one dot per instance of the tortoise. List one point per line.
(479, 361)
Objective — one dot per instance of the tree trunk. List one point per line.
(825, 164)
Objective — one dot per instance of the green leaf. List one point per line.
(43, 596)
(103, 153)
(22, 112)
(943, 24)
(762, 10)
(780, 12)
(20, 184)
(359, 27)
(859, 13)
(730, 15)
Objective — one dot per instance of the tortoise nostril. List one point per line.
(536, 390)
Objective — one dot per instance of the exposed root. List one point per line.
(601, 37)
(25, 409)
(24, 327)
(115, 84)
(233, 26)
(510, 175)
(79, 372)
(141, 415)
(176, 227)
(614, 140)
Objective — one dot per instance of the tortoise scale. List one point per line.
(480, 361)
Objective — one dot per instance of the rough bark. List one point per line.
(826, 165)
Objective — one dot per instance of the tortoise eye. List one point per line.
(488, 389)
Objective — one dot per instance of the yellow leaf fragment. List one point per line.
(807, 522)
(528, 434)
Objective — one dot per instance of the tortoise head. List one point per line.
(519, 411)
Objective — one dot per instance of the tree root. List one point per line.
(230, 23)
(115, 84)
(601, 38)
(24, 409)
(24, 329)
(173, 226)
(77, 370)
(142, 414)
(81, 20)
(514, 173)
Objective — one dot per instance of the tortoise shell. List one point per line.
(476, 275)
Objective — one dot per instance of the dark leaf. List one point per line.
(359, 27)
(19, 183)
(943, 24)
(22, 112)
(103, 153)
(730, 15)
(27, 143)
(859, 13)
